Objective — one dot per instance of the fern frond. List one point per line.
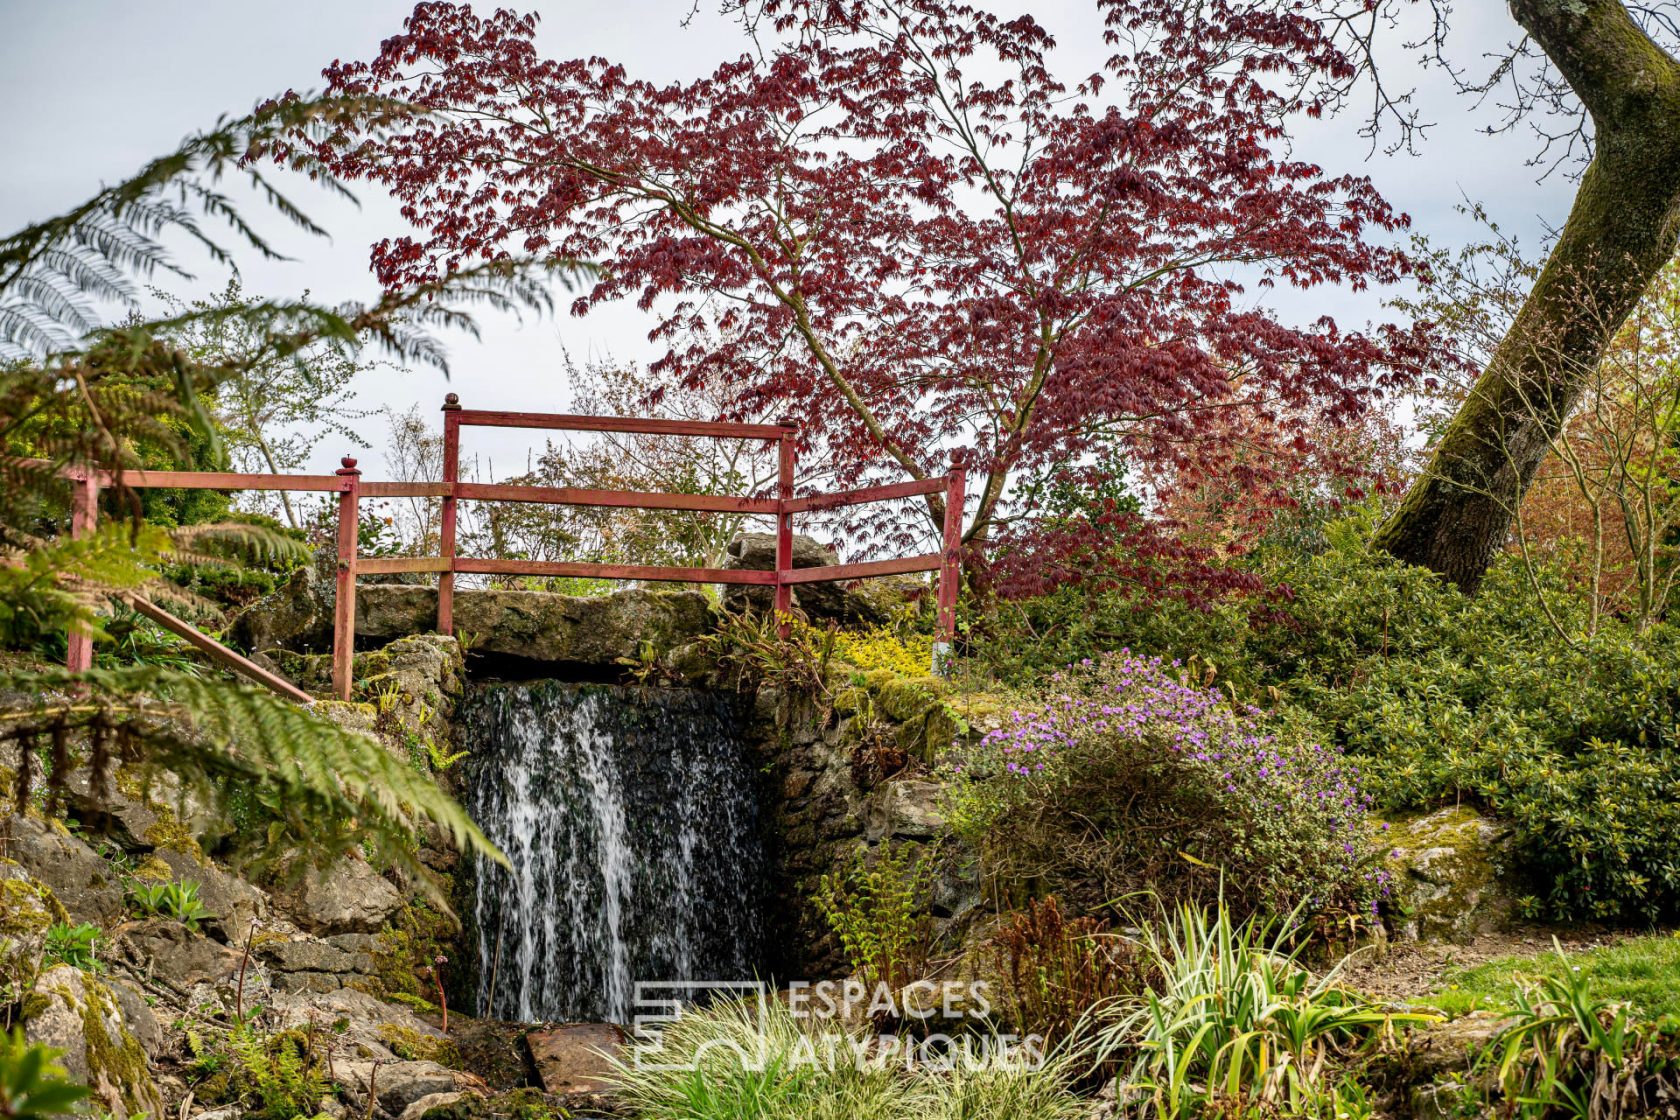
(234, 542)
(56, 584)
(331, 787)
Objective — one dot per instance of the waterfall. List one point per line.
(629, 819)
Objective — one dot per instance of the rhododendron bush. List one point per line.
(896, 224)
(1124, 779)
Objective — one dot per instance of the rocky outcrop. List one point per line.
(596, 631)
(83, 1017)
(856, 602)
(1448, 868)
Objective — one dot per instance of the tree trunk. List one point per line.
(1621, 230)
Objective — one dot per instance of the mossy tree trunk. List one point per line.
(1621, 230)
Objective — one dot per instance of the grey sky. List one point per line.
(93, 88)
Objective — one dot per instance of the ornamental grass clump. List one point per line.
(1126, 780)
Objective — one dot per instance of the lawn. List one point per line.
(1642, 971)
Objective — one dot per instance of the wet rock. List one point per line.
(81, 881)
(348, 897)
(84, 1018)
(573, 1058)
(1448, 869)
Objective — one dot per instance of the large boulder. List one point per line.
(347, 897)
(1448, 871)
(298, 615)
(81, 881)
(84, 1018)
(855, 602)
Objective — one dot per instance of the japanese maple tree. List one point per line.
(893, 219)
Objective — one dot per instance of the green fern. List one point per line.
(328, 789)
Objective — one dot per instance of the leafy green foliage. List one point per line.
(73, 945)
(176, 900)
(1572, 1054)
(1234, 1024)
(1442, 699)
(274, 1076)
(326, 789)
(32, 1084)
(877, 905)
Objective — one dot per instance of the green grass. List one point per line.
(1643, 972)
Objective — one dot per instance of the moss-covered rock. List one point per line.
(83, 1017)
(1448, 868)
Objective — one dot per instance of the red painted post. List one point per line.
(446, 527)
(784, 527)
(84, 510)
(344, 607)
(950, 574)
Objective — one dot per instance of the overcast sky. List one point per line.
(94, 88)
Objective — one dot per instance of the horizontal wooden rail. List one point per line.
(405, 489)
(396, 565)
(572, 496)
(867, 494)
(927, 562)
(613, 571)
(215, 649)
(483, 418)
(224, 480)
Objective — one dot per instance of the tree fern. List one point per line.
(74, 392)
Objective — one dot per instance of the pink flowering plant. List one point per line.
(1124, 779)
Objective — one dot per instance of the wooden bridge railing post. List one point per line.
(950, 571)
(344, 605)
(785, 452)
(446, 525)
(84, 511)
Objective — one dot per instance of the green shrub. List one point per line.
(1443, 699)
(278, 1076)
(1124, 781)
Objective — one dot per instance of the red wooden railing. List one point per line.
(347, 483)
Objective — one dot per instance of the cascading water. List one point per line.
(629, 819)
